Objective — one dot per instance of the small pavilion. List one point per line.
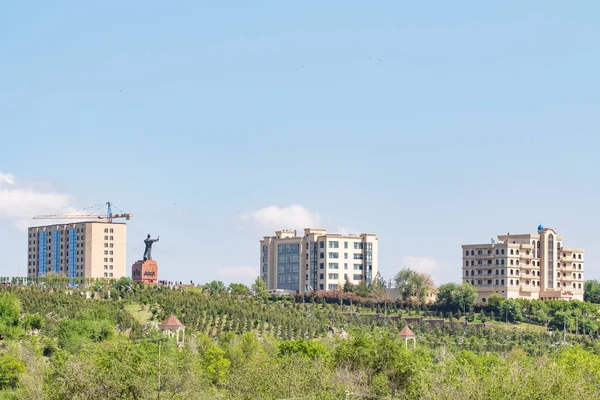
(172, 325)
(407, 335)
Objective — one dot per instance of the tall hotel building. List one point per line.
(529, 266)
(78, 250)
(317, 260)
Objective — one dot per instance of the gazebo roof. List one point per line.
(406, 332)
(171, 322)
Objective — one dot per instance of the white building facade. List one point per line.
(530, 266)
(317, 260)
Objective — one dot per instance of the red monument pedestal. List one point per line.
(145, 272)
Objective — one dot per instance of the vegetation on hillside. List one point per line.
(57, 343)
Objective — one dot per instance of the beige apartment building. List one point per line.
(317, 260)
(91, 249)
(529, 266)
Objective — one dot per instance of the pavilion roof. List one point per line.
(171, 321)
(406, 332)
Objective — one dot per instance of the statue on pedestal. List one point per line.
(148, 251)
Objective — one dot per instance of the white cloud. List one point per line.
(239, 273)
(427, 265)
(7, 178)
(294, 216)
(19, 204)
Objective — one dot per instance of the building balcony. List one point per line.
(529, 288)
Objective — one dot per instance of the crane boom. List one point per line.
(109, 216)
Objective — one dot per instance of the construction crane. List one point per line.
(108, 217)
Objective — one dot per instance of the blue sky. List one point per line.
(431, 124)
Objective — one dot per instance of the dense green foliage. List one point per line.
(58, 344)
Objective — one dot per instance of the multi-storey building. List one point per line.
(530, 266)
(317, 260)
(78, 250)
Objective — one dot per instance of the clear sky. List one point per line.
(432, 124)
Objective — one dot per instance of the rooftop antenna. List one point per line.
(493, 241)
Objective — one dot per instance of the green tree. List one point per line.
(494, 302)
(239, 289)
(591, 291)
(510, 310)
(10, 311)
(259, 287)
(413, 284)
(458, 297)
(215, 287)
(10, 369)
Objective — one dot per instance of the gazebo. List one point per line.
(173, 325)
(407, 335)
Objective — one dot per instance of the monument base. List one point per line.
(145, 272)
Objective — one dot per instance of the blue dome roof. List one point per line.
(540, 227)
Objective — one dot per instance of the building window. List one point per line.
(467, 273)
(502, 281)
(321, 286)
(472, 262)
(358, 256)
(502, 251)
(105, 230)
(512, 262)
(322, 255)
(111, 230)
(111, 238)
(334, 255)
(334, 245)
(111, 245)
(358, 267)
(502, 262)
(105, 244)
(357, 277)
(321, 265)
(345, 245)
(358, 246)
(321, 276)
(466, 262)
(333, 276)
(512, 251)
(345, 265)
(497, 262)
(321, 245)
(333, 265)
(105, 252)
(467, 253)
